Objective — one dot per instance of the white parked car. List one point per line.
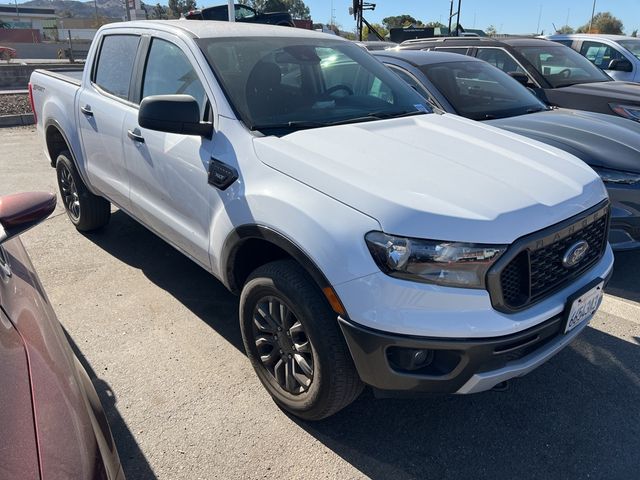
(371, 240)
(617, 55)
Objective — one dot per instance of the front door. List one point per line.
(169, 172)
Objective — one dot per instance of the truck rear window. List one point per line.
(115, 63)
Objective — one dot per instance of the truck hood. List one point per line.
(598, 139)
(438, 176)
(612, 91)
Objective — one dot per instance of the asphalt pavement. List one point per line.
(161, 340)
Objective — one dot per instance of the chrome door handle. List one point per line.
(135, 135)
(87, 110)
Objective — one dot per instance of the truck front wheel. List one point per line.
(292, 338)
(85, 210)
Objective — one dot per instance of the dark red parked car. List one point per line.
(52, 425)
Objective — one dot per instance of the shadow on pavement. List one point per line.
(625, 282)
(195, 288)
(574, 417)
(133, 461)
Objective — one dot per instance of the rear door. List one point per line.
(103, 103)
(170, 192)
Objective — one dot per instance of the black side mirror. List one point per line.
(620, 65)
(522, 78)
(173, 114)
(21, 211)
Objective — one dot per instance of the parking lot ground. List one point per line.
(161, 339)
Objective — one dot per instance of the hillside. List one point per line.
(73, 8)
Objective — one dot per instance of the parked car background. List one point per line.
(474, 89)
(244, 13)
(559, 75)
(618, 55)
(7, 53)
(52, 425)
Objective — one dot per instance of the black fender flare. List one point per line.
(52, 122)
(242, 233)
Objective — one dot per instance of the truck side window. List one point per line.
(115, 63)
(599, 53)
(499, 58)
(169, 72)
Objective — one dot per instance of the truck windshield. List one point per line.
(632, 45)
(480, 91)
(561, 66)
(277, 85)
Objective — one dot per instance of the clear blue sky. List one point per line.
(508, 16)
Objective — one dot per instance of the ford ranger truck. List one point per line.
(371, 240)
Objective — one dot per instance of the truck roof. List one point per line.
(217, 29)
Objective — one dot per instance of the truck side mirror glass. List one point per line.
(21, 211)
(620, 65)
(173, 114)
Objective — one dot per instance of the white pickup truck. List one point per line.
(371, 240)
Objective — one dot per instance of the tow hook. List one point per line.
(501, 387)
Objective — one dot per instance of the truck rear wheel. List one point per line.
(292, 338)
(85, 210)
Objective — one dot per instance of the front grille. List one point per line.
(532, 268)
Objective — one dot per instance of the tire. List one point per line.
(309, 337)
(85, 210)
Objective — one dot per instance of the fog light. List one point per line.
(409, 359)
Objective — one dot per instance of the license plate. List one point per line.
(584, 306)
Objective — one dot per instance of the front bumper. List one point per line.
(463, 363)
(624, 233)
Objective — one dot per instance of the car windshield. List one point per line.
(561, 66)
(277, 85)
(632, 45)
(479, 91)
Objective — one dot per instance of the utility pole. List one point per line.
(95, 4)
(539, 18)
(231, 10)
(593, 11)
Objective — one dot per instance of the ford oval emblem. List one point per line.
(574, 254)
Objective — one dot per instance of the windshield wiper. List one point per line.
(534, 110)
(304, 124)
(381, 115)
(294, 125)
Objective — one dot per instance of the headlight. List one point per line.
(616, 176)
(451, 264)
(626, 111)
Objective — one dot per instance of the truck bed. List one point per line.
(70, 75)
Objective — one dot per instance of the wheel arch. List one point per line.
(250, 246)
(56, 141)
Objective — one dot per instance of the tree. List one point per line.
(565, 29)
(435, 25)
(603, 22)
(178, 7)
(400, 21)
(491, 31)
(159, 12)
(297, 8)
(634, 33)
(379, 28)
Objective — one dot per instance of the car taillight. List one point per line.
(33, 107)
